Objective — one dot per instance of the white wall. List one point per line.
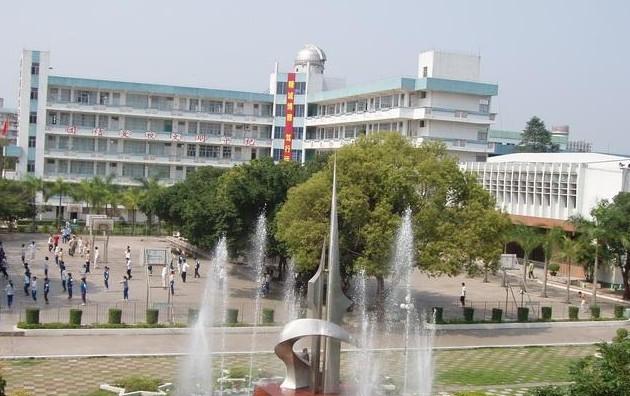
(449, 65)
(598, 184)
(452, 130)
(455, 101)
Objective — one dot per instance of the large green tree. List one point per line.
(536, 138)
(58, 188)
(550, 244)
(17, 202)
(378, 178)
(613, 221)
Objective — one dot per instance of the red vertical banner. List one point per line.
(288, 121)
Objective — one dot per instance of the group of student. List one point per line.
(177, 258)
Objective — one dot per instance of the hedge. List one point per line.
(522, 314)
(497, 314)
(573, 312)
(267, 316)
(468, 314)
(231, 316)
(595, 311)
(32, 315)
(619, 311)
(438, 315)
(75, 317)
(152, 316)
(546, 313)
(114, 316)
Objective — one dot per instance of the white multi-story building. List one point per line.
(80, 128)
(546, 189)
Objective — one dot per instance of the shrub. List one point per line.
(546, 313)
(20, 392)
(75, 317)
(438, 315)
(554, 268)
(548, 391)
(267, 316)
(152, 316)
(193, 315)
(619, 311)
(231, 316)
(573, 312)
(469, 314)
(138, 383)
(522, 314)
(622, 334)
(497, 314)
(32, 315)
(114, 316)
(595, 311)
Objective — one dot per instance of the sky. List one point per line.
(567, 62)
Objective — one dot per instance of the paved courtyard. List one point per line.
(500, 371)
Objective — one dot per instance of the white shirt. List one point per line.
(185, 267)
(463, 291)
(128, 264)
(127, 254)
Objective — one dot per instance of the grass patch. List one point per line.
(24, 362)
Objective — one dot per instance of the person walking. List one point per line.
(171, 282)
(55, 240)
(197, 265)
(462, 296)
(46, 267)
(185, 267)
(32, 250)
(129, 268)
(87, 264)
(83, 291)
(106, 278)
(34, 288)
(530, 268)
(64, 280)
(50, 242)
(69, 284)
(125, 283)
(46, 289)
(10, 291)
(164, 274)
(27, 281)
(583, 304)
(96, 256)
(80, 246)
(23, 252)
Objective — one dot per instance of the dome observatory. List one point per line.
(311, 56)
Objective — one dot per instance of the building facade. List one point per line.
(9, 152)
(78, 128)
(579, 146)
(546, 189)
(501, 142)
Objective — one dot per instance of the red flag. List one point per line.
(5, 127)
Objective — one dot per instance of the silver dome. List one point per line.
(311, 54)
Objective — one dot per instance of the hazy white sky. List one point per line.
(566, 61)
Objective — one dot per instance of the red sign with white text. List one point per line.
(288, 121)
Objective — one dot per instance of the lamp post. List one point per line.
(596, 264)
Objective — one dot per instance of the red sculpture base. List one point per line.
(274, 389)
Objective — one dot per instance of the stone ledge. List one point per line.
(141, 331)
(530, 325)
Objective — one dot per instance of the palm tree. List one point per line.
(130, 199)
(58, 187)
(550, 243)
(528, 239)
(150, 190)
(33, 186)
(569, 251)
(92, 192)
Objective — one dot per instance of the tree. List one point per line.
(536, 138)
(378, 178)
(151, 189)
(550, 243)
(613, 221)
(130, 199)
(33, 185)
(569, 251)
(92, 191)
(528, 239)
(60, 188)
(16, 202)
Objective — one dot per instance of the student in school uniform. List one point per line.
(106, 278)
(46, 289)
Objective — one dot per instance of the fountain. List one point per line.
(259, 244)
(291, 294)
(196, 376)
(367, 367)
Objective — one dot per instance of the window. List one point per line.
(132, 170)
(227, 152)
(30, 166)
(136, 123)
(386, 102)
(425, 71)
(281, 88)
(103, 98)
(83, 97)
(480, 158)
(209, 151)
(209, 129)
(138, 101)
(116, 99)
(33, 93)
(64, 119)
(281, 110)
(229, 107)
(82, 167)
(299, 110)
(64, 95)
(423, 94)
(240, 107)
(32, 118)
(277, 154)
(298, 132)
(362, 105)
(84, 120)
(159, 171)
(211, 106)
(278, 132)
(193, 105)
(484, 106)
(227, 129)
(134, 147)
(191, 150)
(35, 68)
(422, 123)
(351, 107)
(31, 141)
(52, 118)
(300, 88)
(482, 135)
(192, 127)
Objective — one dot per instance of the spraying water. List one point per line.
(259, 244)
(291, 295)
(401, 309)
(196, 376)
(367, 365)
